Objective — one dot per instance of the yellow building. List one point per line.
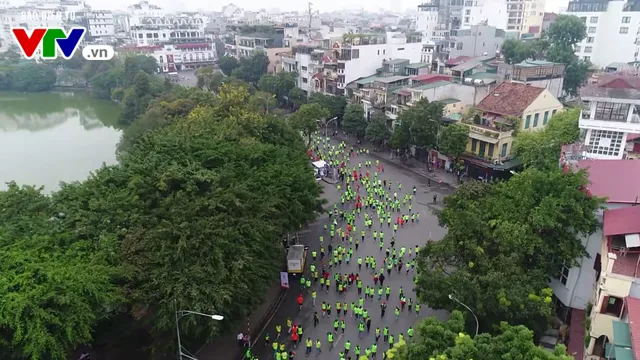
(508, 109)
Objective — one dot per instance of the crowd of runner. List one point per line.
(385, 209)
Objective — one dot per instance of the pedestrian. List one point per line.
(435, 198)
(316, 320)
(240, 339)
(309, 344)
(383, 308)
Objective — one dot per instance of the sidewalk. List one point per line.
(413, 165)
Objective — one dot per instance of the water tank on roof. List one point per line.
(478, 82)
(468, 81)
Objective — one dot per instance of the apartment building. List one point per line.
(374, 92)
(510, 15)
(100, 24)
(507, 107)
(438, 19)
(176, 57)
(15, 17)
(612, 30)
(477, 40)
(588, 296)
(611, 112)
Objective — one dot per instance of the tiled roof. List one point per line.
(510, 99)
(626, 265)
(622, 221)
(613, 86)
(431, 85)
(576, 334)
(631, 137)
(616, 180)
(457, 60)
(633, 310)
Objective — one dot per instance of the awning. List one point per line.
(484, 138)
(632, 240)
(621, 334)
(319, 164)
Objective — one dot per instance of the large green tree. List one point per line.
(54, 287)
(279, 84)
(423, 120)
(227, 64)
(354, 122)
(252, 68)
(335, 104)
(541, 149)
(516, 51)
(32, 77)
(306, 119)
(377, 131)
(453, 140)
(504, 242)
(438, 340)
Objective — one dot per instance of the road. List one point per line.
(409, 236)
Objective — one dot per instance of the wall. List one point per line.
(468, 95)
(303, 61)
(581, 280)
(492, 11)
(481, 40)
(553, 85)
(544, 103)
(274, 58)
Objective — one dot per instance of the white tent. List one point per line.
(319, 164)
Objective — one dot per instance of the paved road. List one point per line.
(409, 236)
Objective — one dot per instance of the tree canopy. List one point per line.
(354, 122)
(228, 64)
(377, 131)
(504, 242)
(541, 149)
(419, 125)
(453, 140)
(446, 340)
(192, 215)
(306, 119)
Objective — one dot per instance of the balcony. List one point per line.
(610, 116)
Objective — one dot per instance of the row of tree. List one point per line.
(190, 218)
(557, 44)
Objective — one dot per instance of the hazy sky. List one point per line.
(284, 5)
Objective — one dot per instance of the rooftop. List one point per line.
(633, 311)
(449, 101)
(535, 63)
(390, 79)
(626, 265)
(616, 180)
(472, 63)
(614, 86)
(622, 221)
(510, 99)
(395, 61)
(430, 77)
(457, 60)
(432, 85)
(418, 65)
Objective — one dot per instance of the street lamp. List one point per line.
(266, 101)
(182, 352)
(451, 297)
(326, 125)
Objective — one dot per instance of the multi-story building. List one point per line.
(185, 29)
(176, 57)
(611, 112)
(606, 21)
(100, 24)
(538, 73)
(143, 10)
(121, 22)
(477, 40)
(508, 107)
(508, 15)
(375, 92)
(248, 44)
(593, 289)
(533, 19)
(438, 19)
(16, 17)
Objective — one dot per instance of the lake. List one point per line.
(46, 138)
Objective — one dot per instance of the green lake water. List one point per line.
(46, 138)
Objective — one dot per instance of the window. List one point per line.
(590, 40)
(355, 54)
(378, 52)
(474, 144)
(466, 19)
(546, 118)
(624, 30)
(304, 68)
(591, 30)
(384, 51)
(400, 49)
(578, 49)
(528, 122)
(535, 119)
(612, 111)
(626, 19)
(584, 19)
(564, 275)
(467, 12)
(503, 151)
(553, 112)
(305, 80)
(588, 49)
(605, 142)
(459, 46)
(490, 151)
(593, 20)
(587, 58)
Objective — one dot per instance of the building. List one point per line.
(508, 15)
(580, 291)
(375, 92)
(606, 21)
(248, 44)
(611, 112)
(438, 19)
(538, 73)
(176, 57)
(100, 24)
(477, 40)
(547, 20)
(187, 29)
(508, 107)
(143, 10)
(15, 17)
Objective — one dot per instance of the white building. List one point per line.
(100, 23)
(508, 15)
(143, 10)
(147, 31)
(16, 17)
(612, 31)
(176, 57)
(612, 110)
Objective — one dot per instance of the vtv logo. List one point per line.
(49, 40)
